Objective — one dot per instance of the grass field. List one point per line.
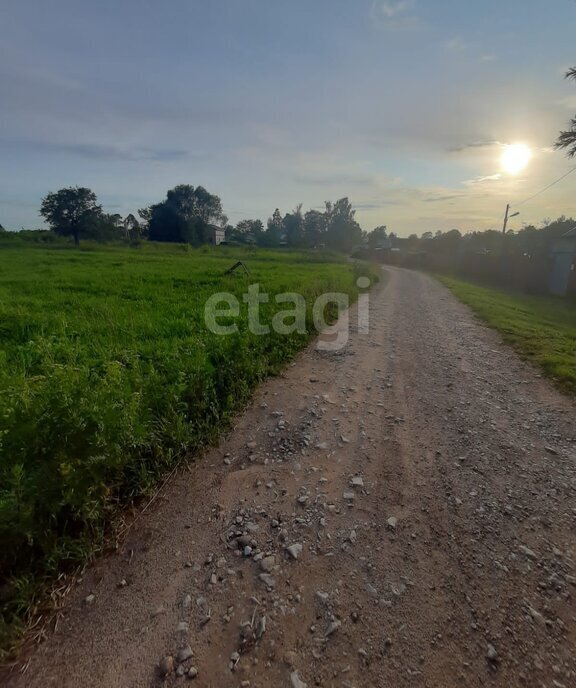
(108, 375)
(542, 329)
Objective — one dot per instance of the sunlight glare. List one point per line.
(515, 157)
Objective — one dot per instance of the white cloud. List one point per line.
(455, 44)
(393, 9)
(486, 178)
(395, 14)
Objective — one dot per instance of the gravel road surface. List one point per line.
(401, 512)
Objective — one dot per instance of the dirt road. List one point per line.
(424, 479)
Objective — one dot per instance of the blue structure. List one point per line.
(563, 272)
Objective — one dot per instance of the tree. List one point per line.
(567, 139)
(132, 228)
(71, 212)
(314, 228)
(185, 215)
(145, 215)
(293, 226)
(116, 220)
(105, 227)
(378, 237)
(248, 232)
(2, 229)
(445, 242)
(273, 233)
(412, 242)
(343, 232)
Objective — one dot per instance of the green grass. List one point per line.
(108, 376)
(542, 329)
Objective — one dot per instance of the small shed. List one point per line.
(563, 271)
(216, 235)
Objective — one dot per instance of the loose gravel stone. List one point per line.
(296, 681)
(267, 579)
(294, 550)
(528, 552)
(166, 665)
(332, 628)
(267, 564)
(184, 654)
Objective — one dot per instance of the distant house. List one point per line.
(563, 272)
(216, 235)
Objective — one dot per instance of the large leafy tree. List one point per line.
(293, 226)
(132, 228)
(314, 228)
(273, 234)
(567, 139)
(343, 232)
(73, 211)
(248, 231)
(185, 215)
(378, 237)
(105, 227)
(145, 215)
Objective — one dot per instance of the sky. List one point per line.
(404, 106)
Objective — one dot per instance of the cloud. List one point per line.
(395, 14)
(18, 204)
(335, 179)
(393, 9)
(455, 44)
(376, 205)
(474, 144)
(97, 151)
(480, 180)
(437, 199)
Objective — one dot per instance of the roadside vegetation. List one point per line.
(108, 376)
(542, 329)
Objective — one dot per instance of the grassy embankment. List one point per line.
(108, 375)
(542, 329)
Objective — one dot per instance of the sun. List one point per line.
(515, 157)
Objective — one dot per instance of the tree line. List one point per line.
(529, 241)
(190, 214)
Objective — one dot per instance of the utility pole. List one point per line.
(507, 217)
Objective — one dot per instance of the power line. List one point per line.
(517, 205)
